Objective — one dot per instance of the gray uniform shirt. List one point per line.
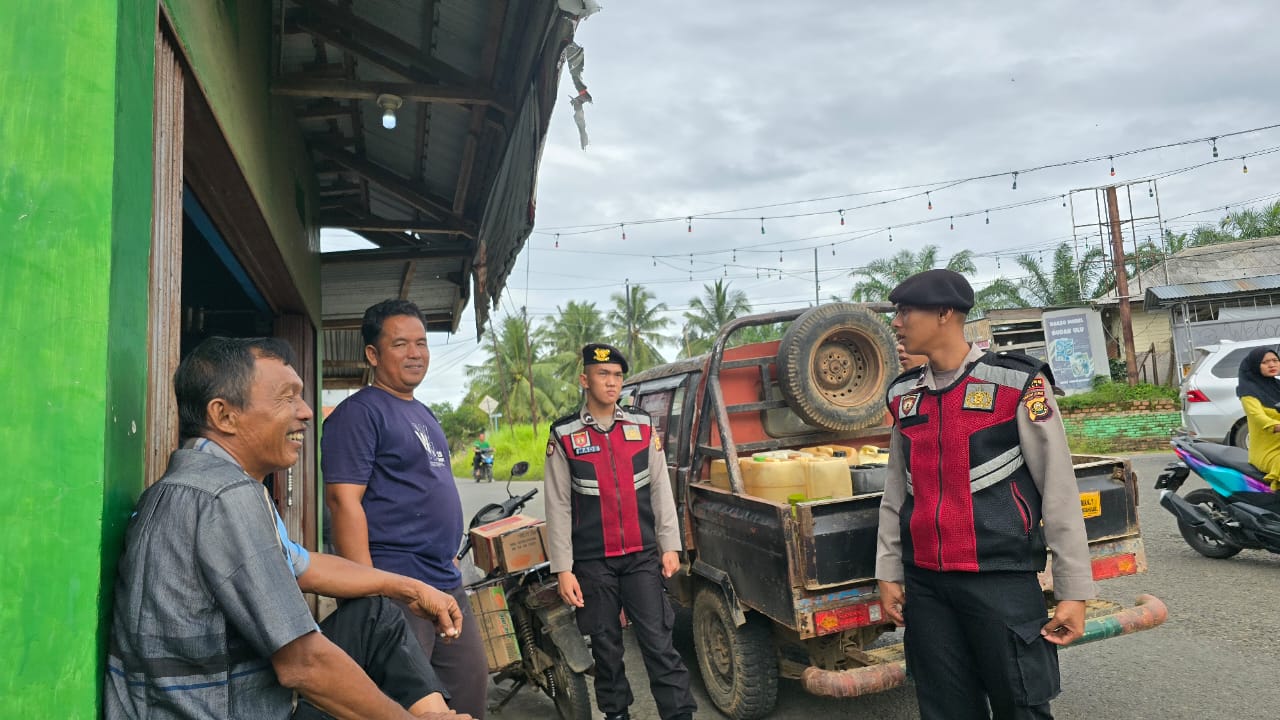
(1045, 452)
(204, 595)
(559, 503)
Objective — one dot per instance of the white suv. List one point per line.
(1210, 408)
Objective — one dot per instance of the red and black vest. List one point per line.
(609, 476)
(971, 503)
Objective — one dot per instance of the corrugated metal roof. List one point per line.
(448, 192)
(1165, 295)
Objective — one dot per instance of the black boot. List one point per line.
(624, 715)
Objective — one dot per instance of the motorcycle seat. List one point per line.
(1228, 456)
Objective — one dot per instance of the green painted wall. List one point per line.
(229, 46)
(75, 208)
(1127, 425)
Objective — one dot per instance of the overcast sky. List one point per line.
(713, 106)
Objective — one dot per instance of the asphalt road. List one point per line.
(1216, 656)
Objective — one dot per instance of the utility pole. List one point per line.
(528, 355)
(816, 300)
(1122, 284)
(630, 344)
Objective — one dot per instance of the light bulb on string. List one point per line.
(1064, 201)
(1214, 143)
(997, 262)
(779, 256)
(833, 249)
(890, 234)
(623, 228)
(988, 213)
(953, 222)
(841, 217)
(557, 240)
(655, 262)
(929, 197)
(1244, 167)
(689, 223)
(1015, 180)
(735, 255)
(1151, 190)
(1113, 165)
(761, 226)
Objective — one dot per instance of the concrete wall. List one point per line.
(75, 216)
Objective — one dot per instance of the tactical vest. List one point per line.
(609, 476)
(971, 503)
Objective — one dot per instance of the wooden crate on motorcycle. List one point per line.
(510, 545)
(489, 606)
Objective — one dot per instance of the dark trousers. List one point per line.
(974, 648)
(460, 663)
(632, 583)
(373, 632)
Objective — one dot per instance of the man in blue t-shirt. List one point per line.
(390, 490)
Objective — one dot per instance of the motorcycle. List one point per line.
(553, 653)
(482, 466)
(1239, 510)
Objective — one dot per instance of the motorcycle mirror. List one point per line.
(517, 470)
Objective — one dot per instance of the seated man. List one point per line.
(209, 618)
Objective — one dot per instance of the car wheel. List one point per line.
(1240, 434)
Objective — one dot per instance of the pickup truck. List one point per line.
(787, 589)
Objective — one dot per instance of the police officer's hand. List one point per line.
(893, 597)
(438, 607)
(670, 563)
(570, 590)
(1067, 624)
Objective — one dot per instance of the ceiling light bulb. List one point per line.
(389, 105)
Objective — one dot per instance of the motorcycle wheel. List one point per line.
(568, 690)
(1208, 546)
(486, 474)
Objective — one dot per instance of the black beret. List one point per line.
(600, 354)
(934, 288)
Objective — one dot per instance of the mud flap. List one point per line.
(562, 626)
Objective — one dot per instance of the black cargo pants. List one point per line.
(974, 648)
(632, 583)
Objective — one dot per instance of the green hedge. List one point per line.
(1109, 393)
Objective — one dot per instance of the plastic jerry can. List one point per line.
(773, 479)
(827, 477)
(872, 455)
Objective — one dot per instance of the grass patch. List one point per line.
(510, 446)
(1109, 393)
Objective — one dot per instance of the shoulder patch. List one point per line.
(551, 447)
(1033, 399)
(657, 443)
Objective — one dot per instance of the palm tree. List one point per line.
(513, 366)
(575, 325)
(707, 314)
(1001, 293)
(882, 275)
(637, 326)
(1068, 281)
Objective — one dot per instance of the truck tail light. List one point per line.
(1194, 395)
(848, 617)
(1111, 566)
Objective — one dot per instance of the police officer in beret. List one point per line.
(961, 540)
(613, 536)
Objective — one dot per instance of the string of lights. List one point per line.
(919, 190)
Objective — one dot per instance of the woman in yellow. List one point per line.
(1259, 393)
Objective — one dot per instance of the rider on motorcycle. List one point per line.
(478, 448)
(1259, 393)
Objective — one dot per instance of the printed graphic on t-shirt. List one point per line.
(436, 457)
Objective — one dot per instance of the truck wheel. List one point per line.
(835, 363)
(739, 664)
(1207, 546)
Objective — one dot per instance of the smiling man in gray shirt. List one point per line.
(209, 620)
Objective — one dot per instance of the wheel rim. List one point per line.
(1216, 513)
(563, 690)
(719, 655)
(840, 369)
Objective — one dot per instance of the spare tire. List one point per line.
(835, 364)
